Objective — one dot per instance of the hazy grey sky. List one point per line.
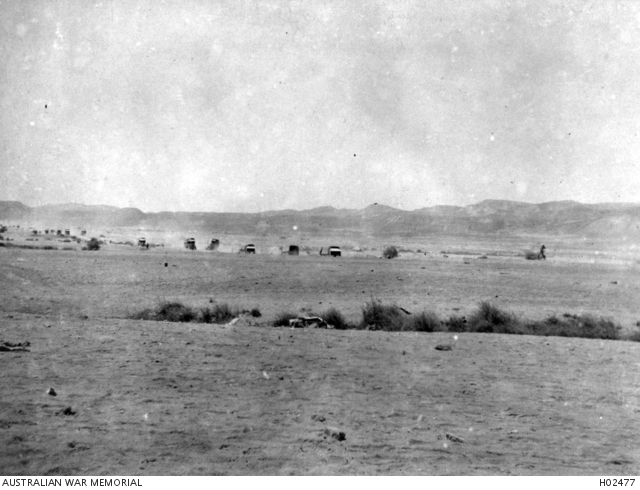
(256, 105)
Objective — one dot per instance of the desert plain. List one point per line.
(136, 397)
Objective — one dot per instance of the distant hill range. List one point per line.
(486, 217)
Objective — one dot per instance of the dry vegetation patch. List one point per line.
(175, 311)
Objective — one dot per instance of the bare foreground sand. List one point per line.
(154, 398)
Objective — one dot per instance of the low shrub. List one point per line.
(390, 252)
(282, 319)
(92, 244)
(334, 317)
(634, 337)
(581, 326)
(146, 314)
(426, 321)
(377, 316)
(174, 311)
(531, 255)
(491, 319)
(255, 312)
(593, 327)
(222, 313)
(456, 323)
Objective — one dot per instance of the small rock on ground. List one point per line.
(334, 433)
(443, 347)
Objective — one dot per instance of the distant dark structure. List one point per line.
(541, 255)
(83, 232)
(67, 232)
(294, 250)
(248, 249)
(214, 244)
(59, 232)
(142, 242)
(190, 244)
(335, 251)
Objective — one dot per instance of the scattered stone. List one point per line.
(308, 322)
(454, 438)
(67, 411)
(443, 347)
(52, 392)
(266, 376)
(334, 433)
(620, 461)
(318, 418)
(614, 282)
(14, 347)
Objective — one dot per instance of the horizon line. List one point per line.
(325, 206)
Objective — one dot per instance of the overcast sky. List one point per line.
(256, 105)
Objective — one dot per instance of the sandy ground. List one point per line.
(154, 398)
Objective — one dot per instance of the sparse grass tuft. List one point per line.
(282, 319)
(222, 313)
(333, 317)
(426, 321)
(146, 314)
(593, 327)
(377, 316)
(582, 326)
(491, 319)
(169, 311)
(456, 323)
(174, 311)
(633, 337)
